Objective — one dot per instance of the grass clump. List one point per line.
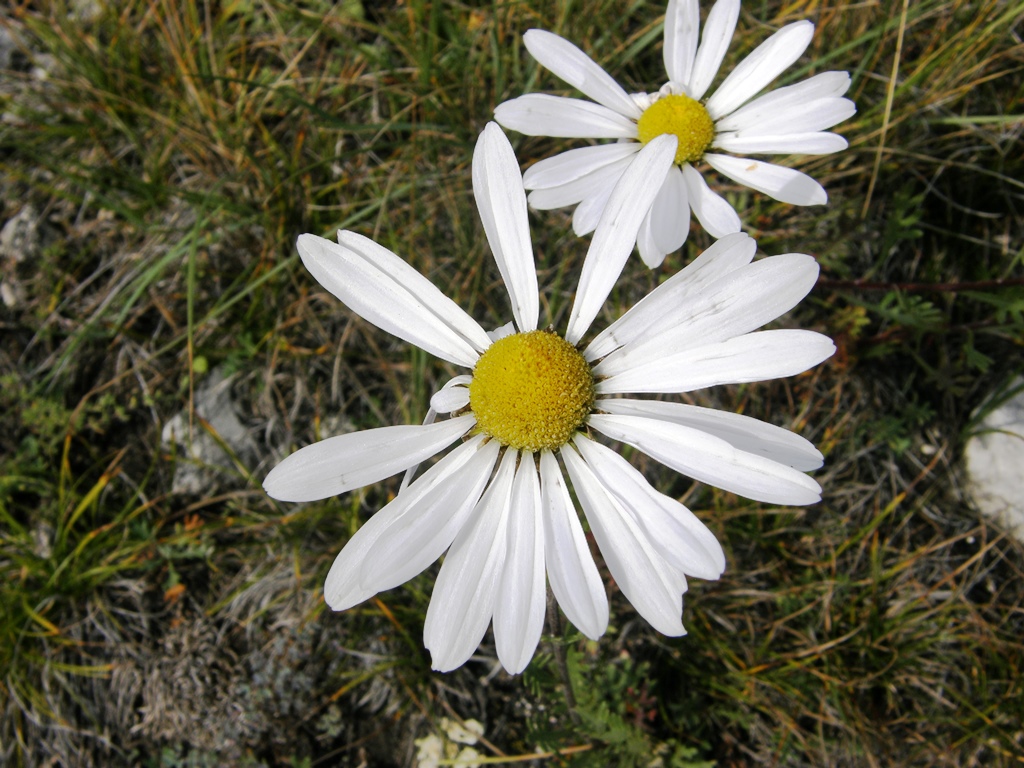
(159, 160)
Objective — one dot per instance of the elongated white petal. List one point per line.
(645, 243)
(393, 268)
(574, 579)
(806, 117)
(736, 303)
(784, 184)
(764, 64)
(588, 213)
(578, 70)
(345, 462)
(818, 95)
(676, 533)
(572, 192)
(758, 356)
(682, 23)
(742, 432)
(387, 292)
(616, 234)
(575, 164)
(540, 114)
(449, 402)
(718, 30)
(670, 213)
(653, 586)
(501, 200)
(522, 596)
(467, 586)
(711, 209)
(814, 143)
(730, 253)
(710, 459)
(432, 517)
(344, 586)
(452, 396)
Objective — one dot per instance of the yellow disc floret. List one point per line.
(684, 118)
(531, 391)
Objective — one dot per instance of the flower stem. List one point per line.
(558, 648)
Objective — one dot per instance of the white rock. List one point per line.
(995, 463)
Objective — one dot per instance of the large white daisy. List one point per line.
(783, 121)
(531, 408)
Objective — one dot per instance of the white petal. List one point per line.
(467, 586)
(670, 213)
(519, 612)
(387, 292)
(501, 200)
(710, 460)
(588, 213)
(814, 143)
(758, 356)
(383, 261)
(711, 209)
(718, 30)
(574, 579)
(730, 253)
(345, 462)
(803, 118)
(508, 329)
(575, 164)
(616, 234)
(676, 533)
(783, 184)
(736, 303)
(434, 511)
(742, 432)
(577, 69)
(784, 106)
(764, 64)
(449, 402)
(452, 396)
(682, 22)
(344, 586)
(653, 586)
(649, 251)
(540, 114)
(572, 192)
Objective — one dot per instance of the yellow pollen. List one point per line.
(531, 391)
(684, 118)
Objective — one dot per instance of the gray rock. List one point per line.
(20, 238)
(995, 462)
(20, 241)
(203, 464)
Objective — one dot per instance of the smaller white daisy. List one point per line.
(789, 120)
(497, 506)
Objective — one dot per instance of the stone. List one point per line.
(202, 464)
(995, 462)
(21, 243)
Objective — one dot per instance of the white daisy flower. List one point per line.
(783, 121)
(498, 503)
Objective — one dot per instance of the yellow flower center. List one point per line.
(684, 118)
(531, 391)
